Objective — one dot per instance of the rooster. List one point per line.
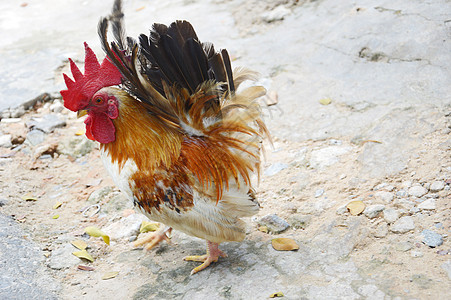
(175, 135)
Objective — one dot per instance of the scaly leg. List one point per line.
(153, 239)
(213, 253)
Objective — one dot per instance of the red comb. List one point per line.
(83, 87)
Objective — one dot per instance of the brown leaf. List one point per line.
(263, 229)
(274, 295)
(79, 244)
(109, 275)
(57, 205)
(96, 232)
(85, 268)
(29, 197)
(355, 207)
(325, 101)
(148, 226)
(83, 254)
(284, 244)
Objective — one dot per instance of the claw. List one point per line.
(154, 239)
(213, 254)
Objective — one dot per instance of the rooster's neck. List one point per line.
(140, 137)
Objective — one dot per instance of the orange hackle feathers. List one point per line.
(82, 88)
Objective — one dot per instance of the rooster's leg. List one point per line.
(153, 239)
(213, 253)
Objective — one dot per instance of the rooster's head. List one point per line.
(88, 93)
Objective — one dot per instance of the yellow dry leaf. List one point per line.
(29, 197)
(79, 244)
(274, 295)
(325, 101)
(96, 232)
(148, 226)
(355, 207)
(83, 254)
(80, 132)
(263, 229)
(109, 275)
(55, 216)
(284, 244)
(57, 205)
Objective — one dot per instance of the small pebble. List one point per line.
(384, 196)
(402, 193)
(406, 184)
(381, 230)
(403, 246)
(274, 223)
(319, 192)
(390, 215)
(431, 238)
(5, 141)
(417, 191)
(437, 186)
(403, 225)
(274, 169)
(415, 253)
(373, 211)
(428, 204)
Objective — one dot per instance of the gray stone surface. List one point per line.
(23, 275)
(274, 169)
(47, 123)
(385, 66)
(327, 156)
(62, 257)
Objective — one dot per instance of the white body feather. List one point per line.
(215, 222)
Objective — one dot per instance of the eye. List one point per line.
(98, 100)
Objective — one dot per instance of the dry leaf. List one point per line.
(274, 295)
(55, 216)
(57, 205)
(263, 229)
(85, 268)
(96, 232)
(79, 244)
(148, 226)
(284, 244)
(355, 207)
(29, 197)
(109, 275)
(83, 254)
(80, 132)
(325, 101)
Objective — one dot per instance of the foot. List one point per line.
(213, 254)
(154, 239)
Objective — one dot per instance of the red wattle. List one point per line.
(99, 127)
(88, 122)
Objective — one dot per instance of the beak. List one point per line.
(81, 113)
